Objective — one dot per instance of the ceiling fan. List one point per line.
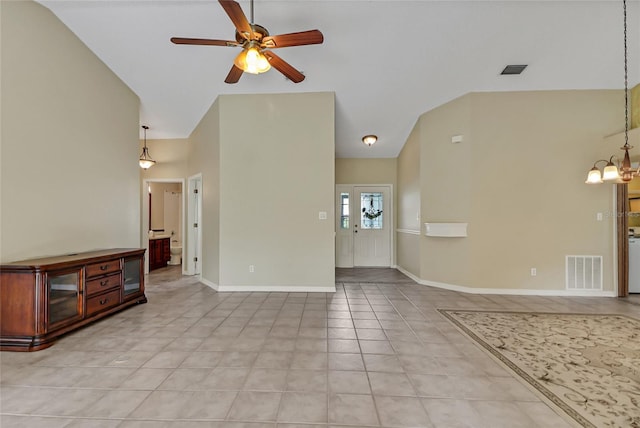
(256, 56)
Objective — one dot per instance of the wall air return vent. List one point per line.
(584, 273)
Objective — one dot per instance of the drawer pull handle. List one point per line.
(104, 267)
(103, 283)
(102, 302)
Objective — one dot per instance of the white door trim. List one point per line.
(192, 250)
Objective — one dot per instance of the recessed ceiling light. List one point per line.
(513, 69)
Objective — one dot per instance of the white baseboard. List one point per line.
(208, 283)
(509, 291)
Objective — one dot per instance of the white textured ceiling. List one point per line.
(387, 61)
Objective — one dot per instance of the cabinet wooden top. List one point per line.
(65, 260)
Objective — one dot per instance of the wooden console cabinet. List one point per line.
(41, 299)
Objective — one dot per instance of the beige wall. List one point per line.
(171, 156)
(547, 141)
(276, 174)
(408, 202)
(61, 106)
(366, 171)
(445, 190)
(518, 180)
(204, 158)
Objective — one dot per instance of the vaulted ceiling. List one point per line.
(387, 61)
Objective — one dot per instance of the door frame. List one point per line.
(144, 230)
(622, 237)
(340, 188)
(193, 250)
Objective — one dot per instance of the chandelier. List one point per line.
(623, 172)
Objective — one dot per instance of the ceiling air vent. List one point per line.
(513, 69)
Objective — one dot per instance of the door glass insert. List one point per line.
(344, 211)
(371, 210)
(63, 297)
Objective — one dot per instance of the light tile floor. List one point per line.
(372, 354)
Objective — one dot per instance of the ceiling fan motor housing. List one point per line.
(259, 33)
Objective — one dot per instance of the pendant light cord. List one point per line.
(626, 81)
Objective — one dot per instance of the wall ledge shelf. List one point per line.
(446, 230)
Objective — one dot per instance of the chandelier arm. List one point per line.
(595, 164)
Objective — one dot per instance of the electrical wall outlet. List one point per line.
(252, 268)
(534, 271)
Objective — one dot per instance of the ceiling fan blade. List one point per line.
(284, 67)
(311, 37)
(209, 42)
(234, 75)
(238, 18)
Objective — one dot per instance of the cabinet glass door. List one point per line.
(65, 302)
(132, 275)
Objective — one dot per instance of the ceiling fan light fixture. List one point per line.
(252, 60)
(370, 140)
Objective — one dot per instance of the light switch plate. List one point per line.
(322, 215)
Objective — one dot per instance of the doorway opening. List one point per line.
(628, 238)
(163, 220)
(364, 225)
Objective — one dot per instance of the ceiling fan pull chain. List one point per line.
(252, 21)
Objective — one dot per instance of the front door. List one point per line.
(371, 226)
(363, 226)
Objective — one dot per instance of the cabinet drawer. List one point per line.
(103, 301)
(102, 284)
(98, 269)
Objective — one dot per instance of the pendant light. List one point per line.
(622, 173)
(145, 158)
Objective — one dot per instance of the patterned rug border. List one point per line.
(530, 380)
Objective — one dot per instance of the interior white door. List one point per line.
(344, 226)
(195, 225)
(371, 216)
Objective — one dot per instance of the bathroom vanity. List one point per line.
(159, 252)
(42, 299)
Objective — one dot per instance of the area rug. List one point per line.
(588, 365)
